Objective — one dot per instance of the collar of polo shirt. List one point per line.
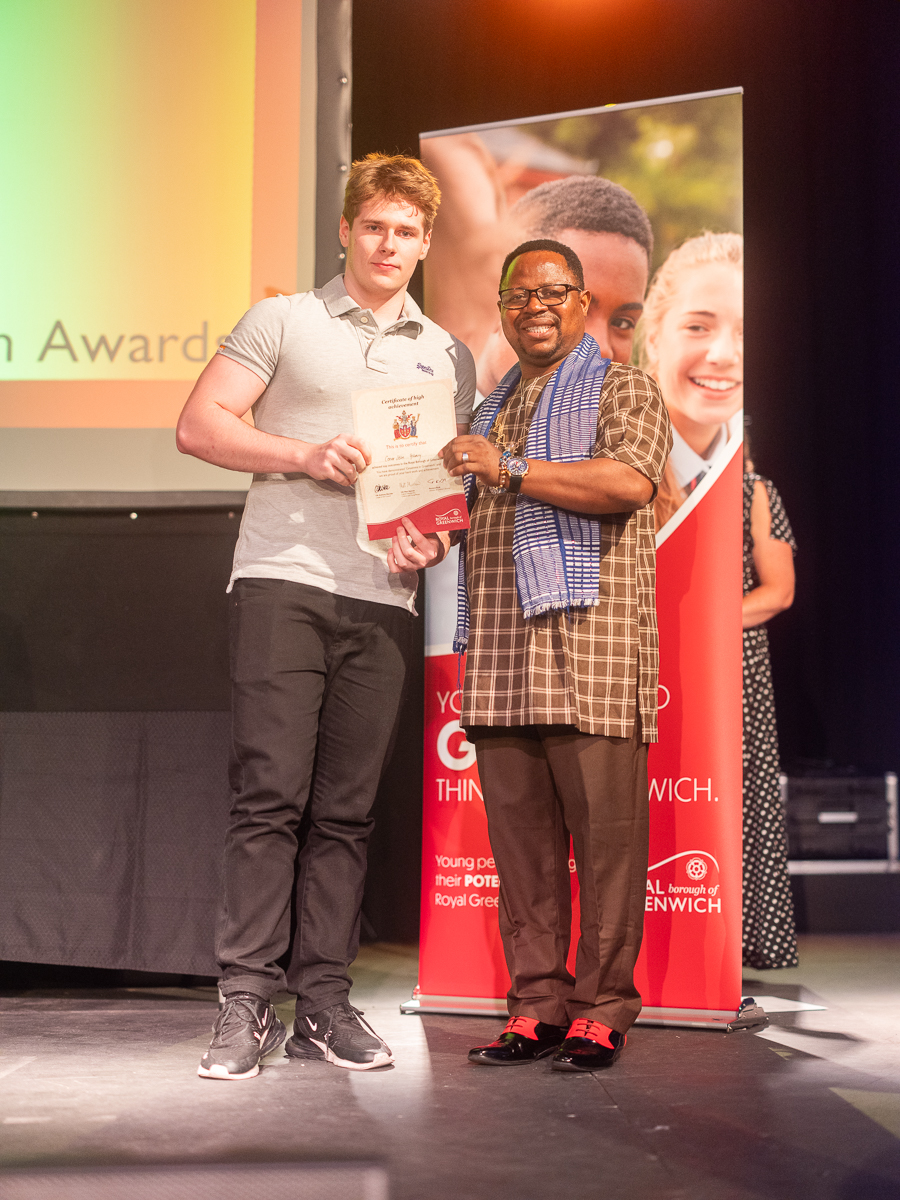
(338, 302)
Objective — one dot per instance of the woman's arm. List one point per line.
(774, 562)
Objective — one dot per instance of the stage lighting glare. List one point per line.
(661, 149)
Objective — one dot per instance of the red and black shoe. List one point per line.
(589, 1046)
(523, 1040)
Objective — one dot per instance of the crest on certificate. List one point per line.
(405, 425)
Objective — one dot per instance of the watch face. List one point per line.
(517, 466)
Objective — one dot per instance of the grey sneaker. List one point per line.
(340, 1036)
(245, 1031)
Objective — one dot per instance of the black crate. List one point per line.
(837, 818)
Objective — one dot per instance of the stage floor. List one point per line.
(809, 1108)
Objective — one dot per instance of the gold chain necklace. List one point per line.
(526, 394)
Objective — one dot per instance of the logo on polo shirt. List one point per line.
(427, 370)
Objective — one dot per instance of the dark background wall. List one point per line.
(822, 195)
(105, 613)
(102, 613)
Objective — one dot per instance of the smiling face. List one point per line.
(697, 351)
(542, 335)
(615, 273)
(384, 245)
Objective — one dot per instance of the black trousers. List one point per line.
(317, 683)
(542, 783)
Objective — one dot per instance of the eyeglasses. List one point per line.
(550, 294)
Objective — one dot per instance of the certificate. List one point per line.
(405, 428)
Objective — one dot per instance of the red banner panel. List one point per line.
(572, 179)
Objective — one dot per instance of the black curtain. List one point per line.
(114, 727)
(822, 189)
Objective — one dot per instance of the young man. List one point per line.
(320, 618)
(559, 699)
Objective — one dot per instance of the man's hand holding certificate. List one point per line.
(405, 428)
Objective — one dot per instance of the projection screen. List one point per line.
(159, 178)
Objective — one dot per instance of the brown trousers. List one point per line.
(542, 783)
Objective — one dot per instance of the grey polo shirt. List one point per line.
(312, 350)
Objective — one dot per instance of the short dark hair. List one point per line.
(586, 202)
(573, 262)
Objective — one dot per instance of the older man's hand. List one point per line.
(470, 453)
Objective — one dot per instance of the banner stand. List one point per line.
(693, 909)
(748, 1016)
(689, 969)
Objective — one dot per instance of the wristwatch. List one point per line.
(512, 471)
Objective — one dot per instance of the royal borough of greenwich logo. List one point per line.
(405, 425)
(687, 882)
(696, 869)
(453, 516)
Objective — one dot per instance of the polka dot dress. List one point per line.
(769, 936)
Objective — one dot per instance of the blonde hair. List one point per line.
(695, 252)
(698, 251)
(396, 177)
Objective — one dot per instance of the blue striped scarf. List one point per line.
(556, 553)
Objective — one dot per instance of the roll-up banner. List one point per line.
(646, 193)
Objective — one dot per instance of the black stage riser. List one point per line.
(111, 833)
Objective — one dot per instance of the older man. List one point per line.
(611, 234)
(599, 219)
(557, 612)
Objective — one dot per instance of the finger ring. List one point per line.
(465, 456)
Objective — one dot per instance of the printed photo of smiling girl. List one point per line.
(692, 343)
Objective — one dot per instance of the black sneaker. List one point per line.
(245, 1031)
(340, 1036)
